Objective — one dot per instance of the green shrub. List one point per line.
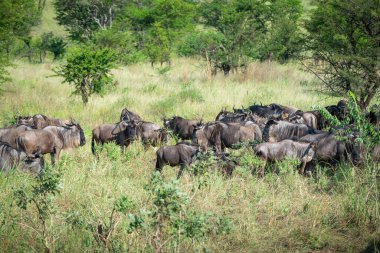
(89, 70)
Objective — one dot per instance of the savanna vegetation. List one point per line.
(188, 58)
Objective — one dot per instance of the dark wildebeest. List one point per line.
(273, 111)
(122, 133)
(181, 154)
(151, 134)
(373, 115)
(221, 135)
(265, 111)
(276, 131)
(340, 110)
(331, 150)
(127, 115)
(182, 127)
(225, 116)
(12, 158)
(51, 140)
(39, 121)
(10, 134)
(302, 151)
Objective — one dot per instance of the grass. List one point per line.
(282, 212)
(48, 22)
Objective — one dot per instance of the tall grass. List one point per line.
(282, 212)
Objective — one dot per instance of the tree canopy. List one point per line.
(345, 37)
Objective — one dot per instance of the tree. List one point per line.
(280, 40)
(157, 25)
(16, 19)
(57, 46)
(83, 18)
(252, 29)
(122, 41)
(344, 47)
(88, 70)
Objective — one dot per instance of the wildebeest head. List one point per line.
(163, 135)
(170, 123)
(127, 115)
(24, 120)
(34, 163)
(355, 147)
(199, 137)
(297, 119)
(131, 129)
(310, 152)
(222, 114)
(202, 135)
(76, 132)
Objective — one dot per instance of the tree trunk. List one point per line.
(83, 92)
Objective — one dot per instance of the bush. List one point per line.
(88, 70)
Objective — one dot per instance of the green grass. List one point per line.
(48, 22)
(282, 212)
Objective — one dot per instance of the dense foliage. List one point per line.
(344, 37)
(83, 18)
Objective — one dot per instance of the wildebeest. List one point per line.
(225, 116)
(276, 131)
(289, 110)
(265, 111)
(340, 110)
(151, 133)
(373, 115)
(123, 133)
(182, 127)
(273, 111)
(9, 134)
(307, 118)
(40, 121)
(51, 140)
(181, 154)
(302, 151)
(221, 135)
(332, 150)
(127, 115)
(12, 158)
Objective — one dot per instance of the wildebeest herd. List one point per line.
(276, 132)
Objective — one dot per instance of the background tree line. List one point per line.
(336, 40)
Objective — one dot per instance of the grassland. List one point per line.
(282, 212)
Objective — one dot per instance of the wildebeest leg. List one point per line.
(302, 168)
(52, 156)
(159, 165)
(58, 154)
(262, 172)
(181, 168)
